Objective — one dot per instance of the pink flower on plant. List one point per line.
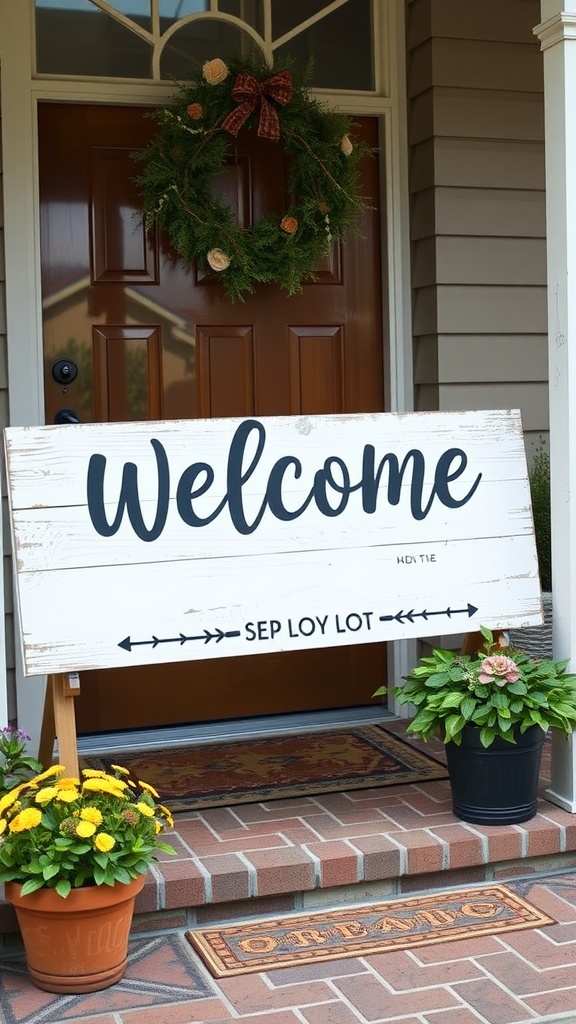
(500, 670)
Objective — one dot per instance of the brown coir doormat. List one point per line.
(300, 764)
(362, 930)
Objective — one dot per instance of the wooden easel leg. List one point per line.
(48, 730)
(60, 722)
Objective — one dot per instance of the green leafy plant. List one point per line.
(15, 764)
(539, 478)
(495, 690)
(64, 833)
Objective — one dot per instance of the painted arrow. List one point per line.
(218, 634)
(411, 615)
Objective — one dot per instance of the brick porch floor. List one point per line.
(328, 851)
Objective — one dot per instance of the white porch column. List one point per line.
(557, 34)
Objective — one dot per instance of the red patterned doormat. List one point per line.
(363, 930)
(249, 771)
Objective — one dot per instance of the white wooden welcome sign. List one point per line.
(154, 542)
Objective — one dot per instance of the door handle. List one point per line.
(66, 416)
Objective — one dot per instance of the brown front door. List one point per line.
(152, 339)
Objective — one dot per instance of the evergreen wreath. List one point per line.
(190, 148)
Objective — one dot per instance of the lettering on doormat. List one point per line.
(364, 930)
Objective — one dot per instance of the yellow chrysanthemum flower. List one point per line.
(148, 789)
(119, 768)
(158, 827)
(9, 798)
(144, 809)
(29, 818)
(104, 842)
(69, 783)
(85, 829)
(3, 825)
(102, 786)
(92, 773)
(167, 815)
(68, 796)
(119, 783)
(56, 769)
(44, 796)
(91, 814)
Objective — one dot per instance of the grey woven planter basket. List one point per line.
(536, 640)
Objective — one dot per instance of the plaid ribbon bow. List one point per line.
(247, 91)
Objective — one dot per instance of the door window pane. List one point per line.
(171, 10)
(249, 11)
(198, 41)
(289, 16)
(75, 38)
(340, 45)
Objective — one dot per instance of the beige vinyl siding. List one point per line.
(7, 569)
(475, 94)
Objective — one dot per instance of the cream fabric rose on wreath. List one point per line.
(346, 146)
(218, 259)
(215, 71)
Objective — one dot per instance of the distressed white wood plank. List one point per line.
(55, 538)
(48, 465)
(149, 601)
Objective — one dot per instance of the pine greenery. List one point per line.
(540, 495)
(188, 153)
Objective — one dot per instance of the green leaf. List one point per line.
(518, 688)
(452, 700)
(437, 680)
(166, 848)
(499, 700)
(565, 709)
(31, 885)
(487, 736)
(49, 871)
(99, 875)
(122, 875)
(63, 887)
(453, 726)
(467, 707)
(508, 736)
(488, 635)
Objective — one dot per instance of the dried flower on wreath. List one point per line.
(194, 140)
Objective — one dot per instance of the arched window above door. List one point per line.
(159, 39)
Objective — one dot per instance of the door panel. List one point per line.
(154, 339)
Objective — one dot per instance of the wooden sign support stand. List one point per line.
(59, 722)
(472, 642)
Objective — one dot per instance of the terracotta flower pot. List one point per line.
(77, 944)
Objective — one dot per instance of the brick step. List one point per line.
(366, 845)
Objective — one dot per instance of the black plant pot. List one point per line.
(497, 785)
